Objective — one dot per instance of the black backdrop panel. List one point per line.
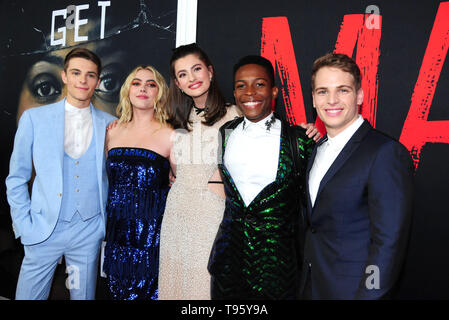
(228, 30)
(408, 83)
(134, 32)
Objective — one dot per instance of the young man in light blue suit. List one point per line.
(64, 144)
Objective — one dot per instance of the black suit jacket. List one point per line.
(358, 228)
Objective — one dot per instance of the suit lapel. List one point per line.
(225, 133)
(284, 148)
(309, 167)
(58, 116)
(99, 132)
(280, 171)
(344, 155)
(282, 167)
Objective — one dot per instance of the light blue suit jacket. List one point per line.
(39, 143)
(360, 220)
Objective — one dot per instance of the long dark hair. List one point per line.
(180, 105)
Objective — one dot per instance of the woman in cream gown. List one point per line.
(195, 203)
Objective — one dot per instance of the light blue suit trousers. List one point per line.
(39, 145)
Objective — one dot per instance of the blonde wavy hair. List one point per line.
(124, 109)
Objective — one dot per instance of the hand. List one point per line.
(311, 131)
(171, 178)
(112, 125)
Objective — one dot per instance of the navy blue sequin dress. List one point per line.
(138, 187)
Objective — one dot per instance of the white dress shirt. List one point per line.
(326, 154)
(77, 130)
(252, 156)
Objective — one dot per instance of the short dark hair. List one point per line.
(259, 60)
(339, 61)
(85, 54)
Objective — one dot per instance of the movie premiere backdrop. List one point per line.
(35, 36)
(401, 47)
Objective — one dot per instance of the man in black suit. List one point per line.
(359, 194)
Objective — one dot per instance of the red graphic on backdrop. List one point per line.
(353, 28)
(277, 46)
(417, 131)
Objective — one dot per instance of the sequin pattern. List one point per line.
(256, 254)
(138, 187)
(192, 215)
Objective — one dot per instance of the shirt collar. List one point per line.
(340, 140)
(74, 110)
(261, 124)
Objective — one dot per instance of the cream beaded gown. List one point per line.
(192, 215)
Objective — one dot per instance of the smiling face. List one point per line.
(143, 90)
(193, 77)
(81, 79)
(336, 99)
(43, 84)
(254, 92)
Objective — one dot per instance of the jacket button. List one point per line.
(312, 230)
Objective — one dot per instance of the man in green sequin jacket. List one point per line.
(257, 252)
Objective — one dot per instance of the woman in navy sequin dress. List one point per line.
(138, 167)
